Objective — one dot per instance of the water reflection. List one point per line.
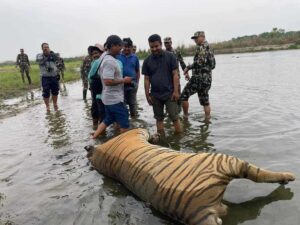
(123, 207)
(29, 96)
(58, 129)
(194, 138)
(250, 210)
(63, 89)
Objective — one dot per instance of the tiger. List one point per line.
(187, 187)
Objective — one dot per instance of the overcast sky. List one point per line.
(70, 26)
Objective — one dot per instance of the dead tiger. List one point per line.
(188, 187)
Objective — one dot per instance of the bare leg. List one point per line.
(54, 99)
(177, 126)
(185, 107)
(100, 130)
(160, 127)
(207, 111)
(122, 130)
(46, 100)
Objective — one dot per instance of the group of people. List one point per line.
(23, 64)
(112, 73)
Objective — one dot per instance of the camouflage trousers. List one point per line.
(85, 81)
(61, 73)
(199, 83)
(24, 69)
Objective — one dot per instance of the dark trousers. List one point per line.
(130, 100)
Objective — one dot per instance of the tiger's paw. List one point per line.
(286, 178)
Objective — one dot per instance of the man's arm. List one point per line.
(180, 60)
(28, 60)
(137, 70)
(113, 82)
(138, 75)
(17, 61)
(175, 95)
(147, 89)
(108, 72)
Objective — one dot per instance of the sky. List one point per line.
(70, 26)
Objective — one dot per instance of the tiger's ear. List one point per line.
(154, 139)
(90, 149)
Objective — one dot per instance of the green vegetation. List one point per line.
(277, 39)
(11, 84)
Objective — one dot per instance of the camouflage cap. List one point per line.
(167, 39)
(197, 34)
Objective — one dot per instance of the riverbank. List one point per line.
(263, 48)
(11, 84)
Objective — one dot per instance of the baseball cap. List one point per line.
(197, 34)
(96, 47)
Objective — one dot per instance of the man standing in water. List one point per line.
(97, 108)
(131, 68)
(84, 71)
(169, 48)
(24, 65)
(200, 82)
(113, 82)
(161, 74)
(48, 70)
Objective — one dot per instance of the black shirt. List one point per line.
(159, 69)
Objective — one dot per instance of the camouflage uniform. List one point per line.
(60, 64)
(180, 61)
(24, 64)
(84, 70)
(200, 82)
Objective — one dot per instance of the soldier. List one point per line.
(84, 70)
(169, 48)
(200, 82)
(60, 64)
(133, 49)
(24, 65)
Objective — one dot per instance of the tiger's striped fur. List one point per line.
(187, 187)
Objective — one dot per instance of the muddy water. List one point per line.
(45, 177)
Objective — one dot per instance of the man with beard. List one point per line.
(161, 75)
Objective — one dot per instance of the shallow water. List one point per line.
(45, 177)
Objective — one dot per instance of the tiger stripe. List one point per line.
(188, 187)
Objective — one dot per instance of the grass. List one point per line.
(11, 84)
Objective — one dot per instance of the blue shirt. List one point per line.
(131, 65)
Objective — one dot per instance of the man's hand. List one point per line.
(187, 77)
(175, 96)
(149, 99)
(127, 80)
(185, 71)
(186, 74)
